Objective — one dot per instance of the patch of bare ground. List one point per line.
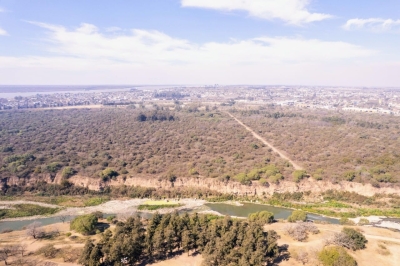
(60, 241)
(383, 247)
(182, 260)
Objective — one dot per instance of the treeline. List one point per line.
(44, 189)
(220, 241)
(275, 115)
(169, 94)
(155, 116)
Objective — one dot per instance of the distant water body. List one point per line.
(26, 91)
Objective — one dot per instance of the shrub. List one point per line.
(108, 173)
(254, 174)
(84, 224)
(382, 250)
(276, 178)
(68, 234)
(262, 217)
(385, 178)
(298, 175)
(346, 221)
(318, 174)
(300, 255)
(53, 167)
(348, 238)
(193, 171)
(49, 251)
(263, 182)
(336, 256)
(363, 221)
(318, 177)
(98, 214)
(297, 216)
(349, 176)
(110, 218)
(357, 237)
(67, 172)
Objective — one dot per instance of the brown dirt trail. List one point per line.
(281, 154)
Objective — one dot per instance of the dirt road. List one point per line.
(283, 156)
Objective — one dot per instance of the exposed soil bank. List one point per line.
(230, 187)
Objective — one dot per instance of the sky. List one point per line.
(200, 42)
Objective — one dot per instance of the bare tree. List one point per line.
(340, 239)
(300, 255)
(21, 248)
(63, 218)
(5, 253)
(300, 230)
(34, 230)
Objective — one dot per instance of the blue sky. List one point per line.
(291, 42)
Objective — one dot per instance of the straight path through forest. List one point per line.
(283, 156)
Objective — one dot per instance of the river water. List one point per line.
(19, 225)
(247, 208)
(223, 208)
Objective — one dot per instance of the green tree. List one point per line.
(95, 256)
(85, 255)
(297, 215)
(67, 172)
(263, 217)
(298, 175)
(84, 224)
(336, 256)
(108, 173)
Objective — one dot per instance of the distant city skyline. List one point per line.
(289, 42)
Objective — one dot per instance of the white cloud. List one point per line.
(291, 11)
(3, 32)
(87, 55)
(375, 24)
(113, 29)
(141, 47)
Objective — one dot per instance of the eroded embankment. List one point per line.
(230, 187)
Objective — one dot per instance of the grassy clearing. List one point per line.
(95, 201)
(23, 210)
(152, 205)
(64, 201)
(333, 212)
(160, 202)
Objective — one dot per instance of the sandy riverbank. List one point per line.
(111, 207)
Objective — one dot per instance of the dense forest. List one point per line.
(124, 143)
(193, 141)
(221, 241)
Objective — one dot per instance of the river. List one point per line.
(223, 208)
(247, 208)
